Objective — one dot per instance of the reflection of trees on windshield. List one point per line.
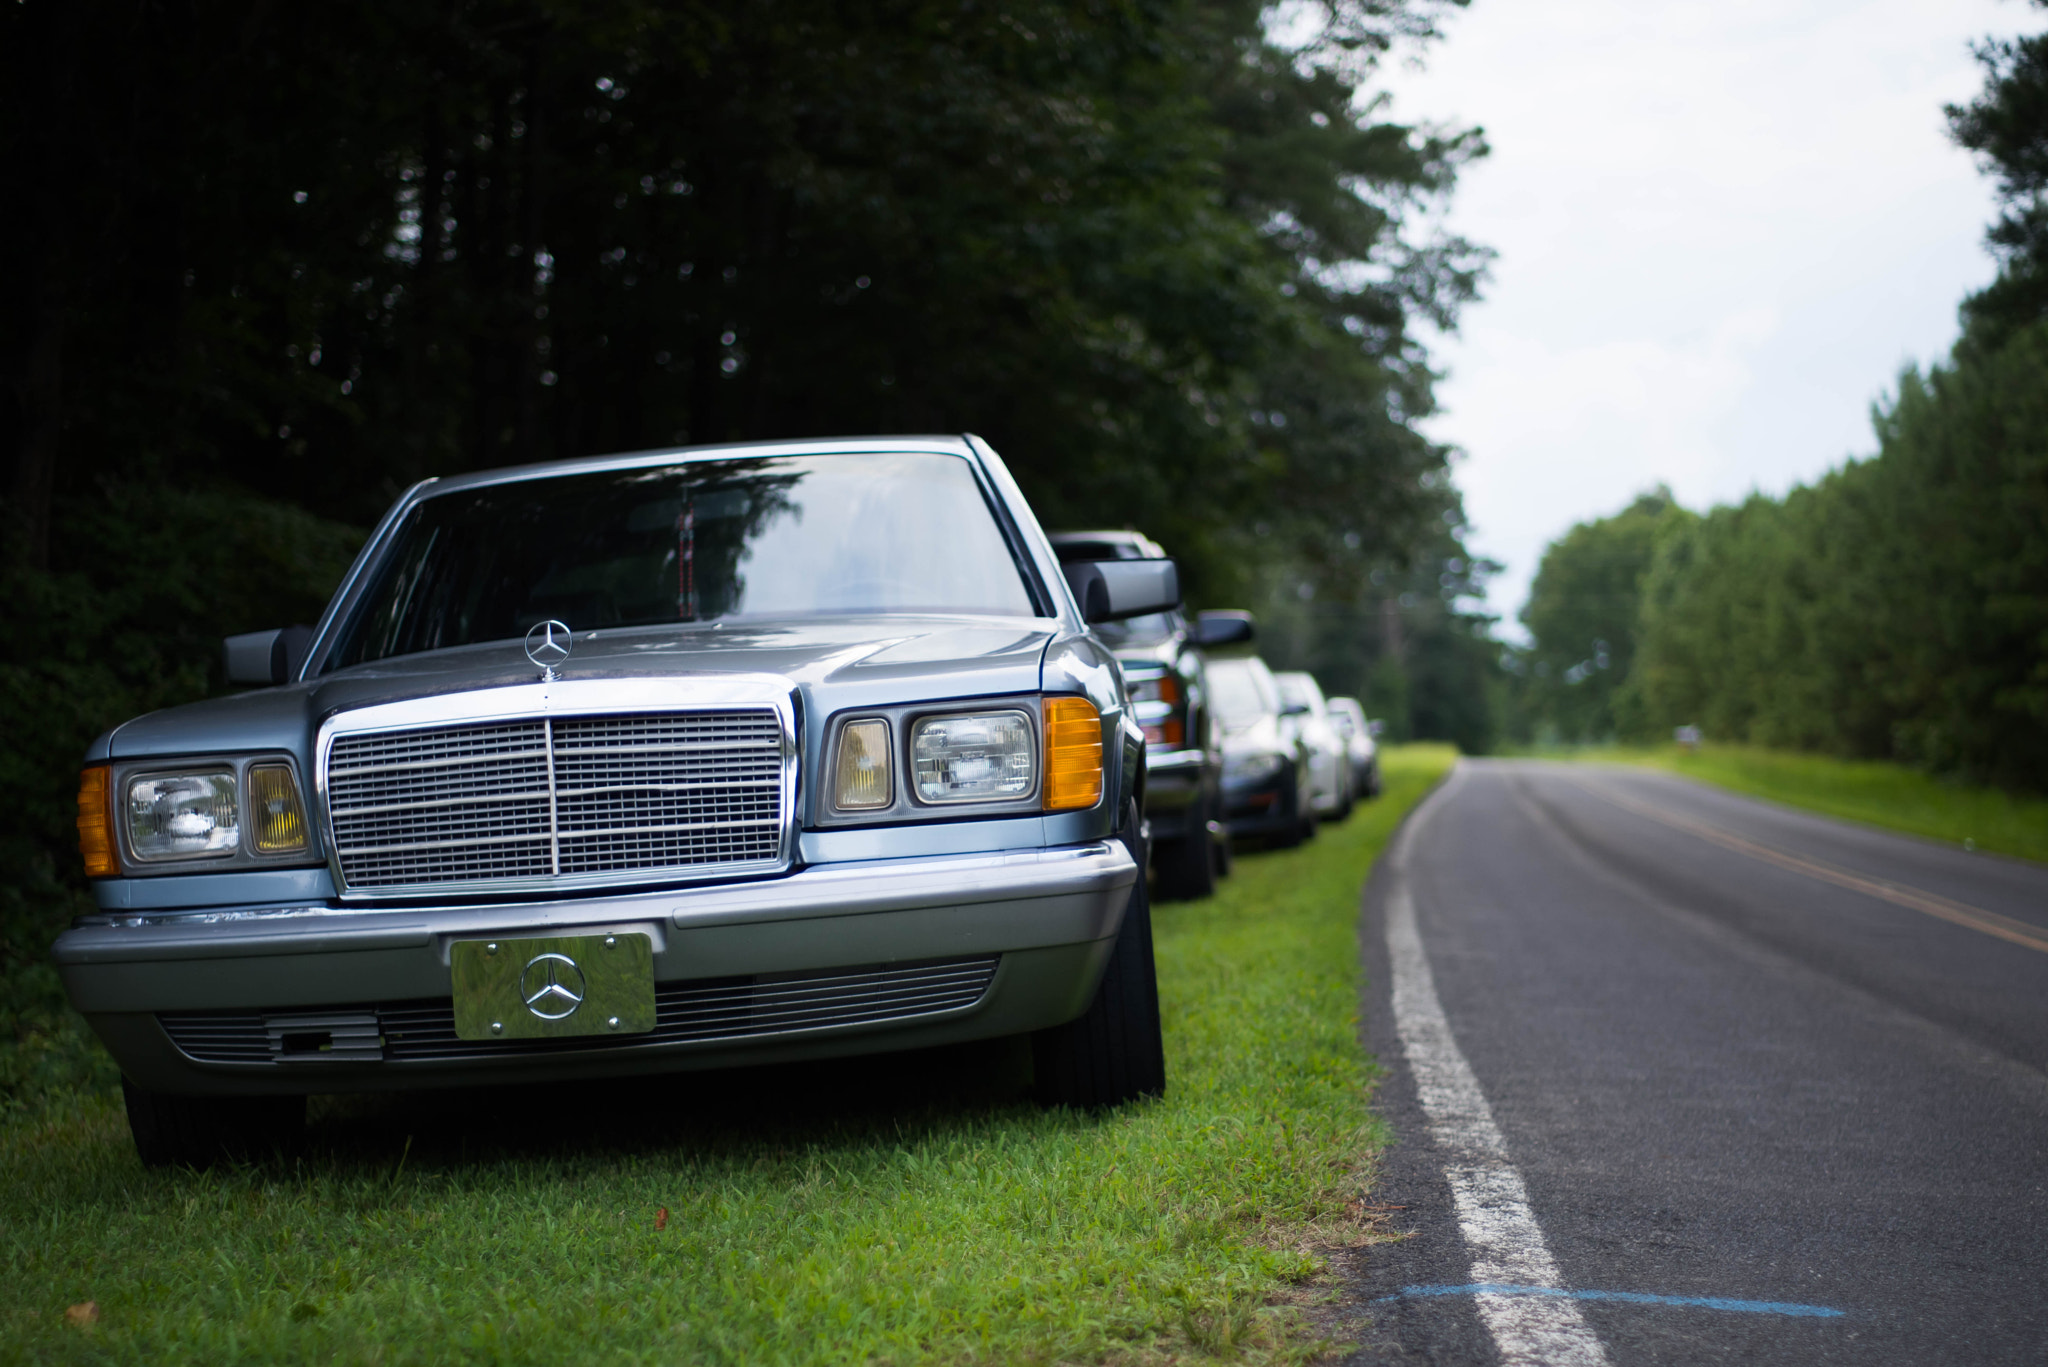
(715, 509)
(622, 548)
(697, 540)
(1148, 630)
(1235, 691)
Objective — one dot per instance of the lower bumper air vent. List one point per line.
(707, 1009)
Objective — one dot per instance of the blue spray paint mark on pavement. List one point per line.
(1629, 1297)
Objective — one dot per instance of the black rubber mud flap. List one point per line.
(200, 1131)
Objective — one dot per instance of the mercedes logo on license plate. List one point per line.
(552, 986)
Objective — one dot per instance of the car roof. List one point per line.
(675, 455)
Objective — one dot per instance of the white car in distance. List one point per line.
(1329, 765)
(1347, 715)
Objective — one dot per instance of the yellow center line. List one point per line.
(1957, 913)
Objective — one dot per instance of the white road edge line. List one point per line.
(1501, 1233)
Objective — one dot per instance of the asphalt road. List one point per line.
(1777, 1080)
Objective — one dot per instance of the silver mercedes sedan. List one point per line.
(673, 760)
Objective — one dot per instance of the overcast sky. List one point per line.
(1723, 227)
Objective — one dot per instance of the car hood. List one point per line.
(833, 662)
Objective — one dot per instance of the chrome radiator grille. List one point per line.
(561, 797)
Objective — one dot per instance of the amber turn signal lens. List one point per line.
(1168, 733)
(275, 810)
(1073, 754)
(96, 822)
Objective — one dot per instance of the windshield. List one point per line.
(1298, 690)
(1241, 691)
(1151, 629)
(772, 536)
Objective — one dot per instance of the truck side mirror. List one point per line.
(266, 657)
(1112, 590)
(1224, 627)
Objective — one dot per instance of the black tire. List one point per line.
(1113, 1052)
(1306, 811)
(200, 1131)
(1223, 853)
(1185, 868)
(1297, 828)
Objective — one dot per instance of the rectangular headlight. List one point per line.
(980, 757)
(863, 778)
(184, 816)
(275, 811)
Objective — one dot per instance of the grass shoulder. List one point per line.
(906, 1209)
(1870, 791)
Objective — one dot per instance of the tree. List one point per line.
(1582, 617)
(2007, 127)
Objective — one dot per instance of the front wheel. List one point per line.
(200, 1131)
(1113, 1052)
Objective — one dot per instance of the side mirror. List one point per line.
(1223, 627)
(265, 657)
(1111, 590)
(1375, 727)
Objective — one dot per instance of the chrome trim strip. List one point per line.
(566, 698)
(547, 731)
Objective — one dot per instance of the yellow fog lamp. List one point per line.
(1073, 754)
(863, 769)
(276, 813)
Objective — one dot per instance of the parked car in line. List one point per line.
(1329, 762)
(671, 760)
(1347, 716)
(1265, 757)
(1163, 669)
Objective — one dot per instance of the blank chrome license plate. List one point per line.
(552, 988)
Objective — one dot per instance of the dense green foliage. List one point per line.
(910, 1209)
(2007, 126)
(325, 251)
(1897, 609)
(1581, 616)
(1400, 640)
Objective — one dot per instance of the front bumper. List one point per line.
(1269, 806)
(1174, 782)
(1040, 923)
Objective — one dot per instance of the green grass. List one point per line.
(1878, 794)
(907, 1209)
